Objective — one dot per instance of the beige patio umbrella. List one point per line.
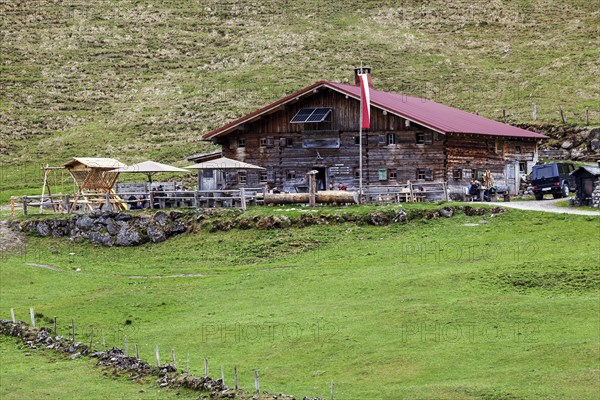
(221, 164)
(149, 168)
(224, 163)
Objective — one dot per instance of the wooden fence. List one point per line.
(60, 203)
(94, 337)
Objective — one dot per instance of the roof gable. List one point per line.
(436, 116)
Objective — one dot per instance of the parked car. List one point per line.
(553, 178)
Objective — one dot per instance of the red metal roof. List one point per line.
(436, 116)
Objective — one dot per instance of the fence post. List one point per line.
(157, 357)
(173, 358)
(205, 367)
(12, 315)
(68, 203)
(562, 115)
(151, 200)
(126, 345)
(73, 329)
(197, 199)
(235, 378)
(91, 336)
(55, 326)
(24, 205)
(243, 198)
(534, 112)
(103, 341)
(332, 390)
(256, 382)
(222, 375)
(108, 206)
(32, 316)
(137, 351)
(12, 206)
(587, 116)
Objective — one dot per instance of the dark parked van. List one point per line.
(552, 179)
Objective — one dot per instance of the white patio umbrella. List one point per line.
(149, 168)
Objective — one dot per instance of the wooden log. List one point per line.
(325, 197)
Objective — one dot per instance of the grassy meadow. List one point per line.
(139, 80)
(492, 307)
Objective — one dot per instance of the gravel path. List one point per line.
(9, 239)
(544, 205)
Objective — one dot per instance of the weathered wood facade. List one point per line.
(395, 149)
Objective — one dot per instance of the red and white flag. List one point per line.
(365, 101)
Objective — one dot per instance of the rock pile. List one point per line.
(109, 228)
(568, 142)
(42, 338)
(120, 229)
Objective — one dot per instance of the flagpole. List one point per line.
(360, 151)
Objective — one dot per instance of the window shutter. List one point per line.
(383, 173)
(282, 142)
(428, 138)
(382, 140)
(270, 141)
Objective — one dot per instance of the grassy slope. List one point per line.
(495, 311)
(139, 80)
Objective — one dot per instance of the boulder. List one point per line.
(128, 237)
(103, 239)
(579, 152)
(111, 227)
(161, 218)
(446, 212)
(595, 145)
(155, 233)
(567, 144)
(43, 229)
(84, 222)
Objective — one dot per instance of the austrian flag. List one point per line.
(365, 101)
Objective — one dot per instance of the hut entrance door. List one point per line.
(321, 177)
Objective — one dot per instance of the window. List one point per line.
(357, 173)
(392, 174)
(391, 138)
(420, 138)
(291, 175)
(407, 123)
(263, 142)
(491, 145)
(424, 174)
(517, 149)
(264, 176)
(289, 142)
(241, 142)
(523, 167)
(383, 174)
(356, 140)
(242, 177)
(457, 174)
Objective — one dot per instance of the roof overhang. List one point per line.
(313, 89)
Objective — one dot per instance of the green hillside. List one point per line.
(143, 79)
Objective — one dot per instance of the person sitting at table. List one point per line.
(132, 201)
(342, 187)
(142, 203)
(474, 187)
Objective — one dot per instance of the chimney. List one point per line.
(362, 70)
